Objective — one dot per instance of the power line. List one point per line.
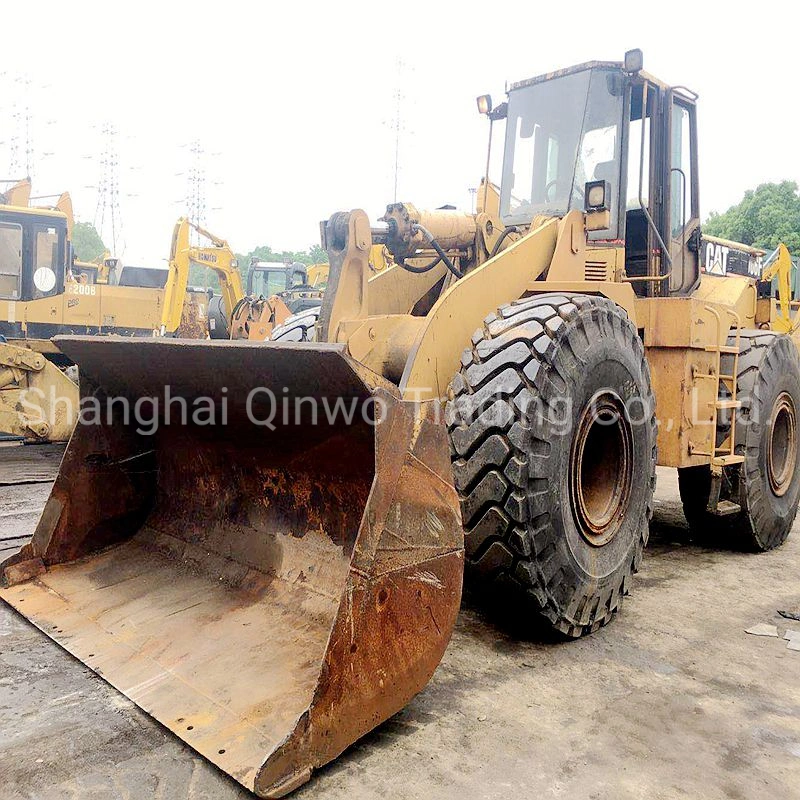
(196, 187)
(20, 141)
(107, 210)
(398, 99)
(196, 193)
(398, 123)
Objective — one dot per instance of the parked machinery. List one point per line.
(275, 290)
(44, 291)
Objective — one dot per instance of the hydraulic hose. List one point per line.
(503, 236)
(419, 270)
(417, 228)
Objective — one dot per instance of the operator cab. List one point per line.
(33, 253)
(610, 125)
(267, 278)
(287, 281)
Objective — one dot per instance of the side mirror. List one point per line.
(499, 112)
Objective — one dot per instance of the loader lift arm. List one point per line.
(218, 257)
(38, 402)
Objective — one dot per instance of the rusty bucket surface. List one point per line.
(268, 595)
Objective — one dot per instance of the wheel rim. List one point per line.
(601, 468)
(782, 444)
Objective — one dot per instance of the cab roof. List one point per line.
(33, 211)
(586, 65)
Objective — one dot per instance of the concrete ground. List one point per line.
(672, 700)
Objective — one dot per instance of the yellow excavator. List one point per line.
(778, 265)
(279, 567)
(234, 314)
(38, 400)
(45, 292)
(219, 258)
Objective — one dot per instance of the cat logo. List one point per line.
(716, 259)
(209, 257)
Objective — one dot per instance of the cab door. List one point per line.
(44, 257)
(681, 205)
(10, 260)
(10, 278)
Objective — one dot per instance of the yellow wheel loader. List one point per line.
(276, 291)
(279, 567)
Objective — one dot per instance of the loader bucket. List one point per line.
(270, 593)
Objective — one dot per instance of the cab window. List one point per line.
(267, 282)
(45, 260)
(638, 163)
(560, 134)
(10, 260)
(681, 190)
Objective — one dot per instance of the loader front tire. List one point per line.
(767, 485)
(298, 328)
(553, 442)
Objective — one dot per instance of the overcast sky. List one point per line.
(295, 104)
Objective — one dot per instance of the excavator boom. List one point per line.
(219, 258)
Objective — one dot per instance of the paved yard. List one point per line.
(672, 700)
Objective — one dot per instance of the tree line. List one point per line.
(766, 216)
(89, 246)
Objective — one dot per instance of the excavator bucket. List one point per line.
(266, 577)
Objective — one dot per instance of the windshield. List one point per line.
(267, 282)
(560, 134)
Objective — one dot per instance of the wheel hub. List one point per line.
(601, 467)
(782, 444)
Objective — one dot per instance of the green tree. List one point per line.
(86, 242)
(766, 216)
(202, 276)
(314, 255)
(317, 255)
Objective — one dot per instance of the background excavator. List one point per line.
(273, 586)
(45, 292)
(777, 269)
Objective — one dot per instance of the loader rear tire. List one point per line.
(298, 328)
(217, 318)
(767, 485)
(553, 443)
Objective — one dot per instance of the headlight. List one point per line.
(484, 103)
(597, 194)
